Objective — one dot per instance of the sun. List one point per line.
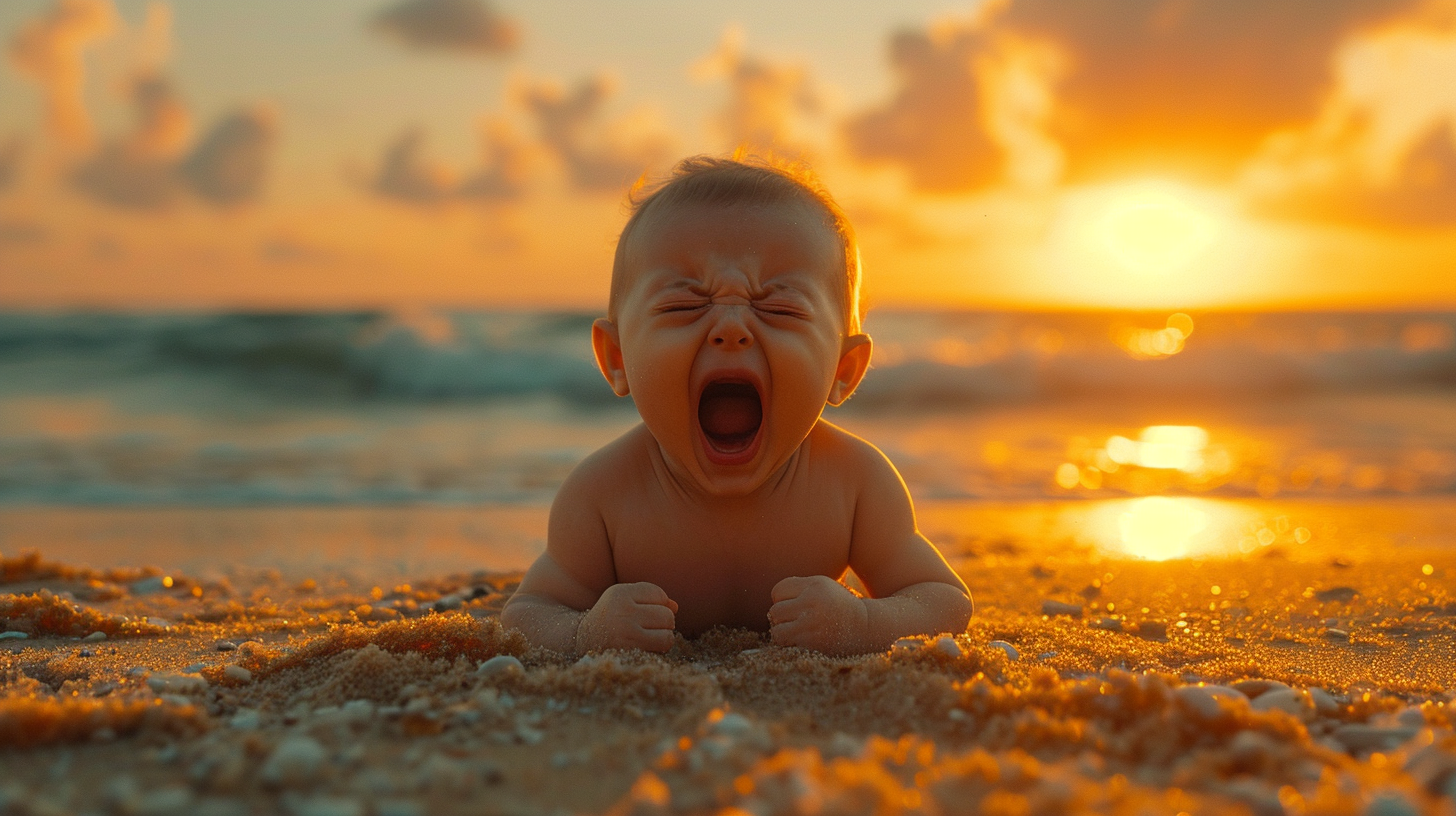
(1145, 242)
(1153, 229)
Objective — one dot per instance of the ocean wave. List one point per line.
(923, 359)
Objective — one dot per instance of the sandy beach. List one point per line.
(1300, 677)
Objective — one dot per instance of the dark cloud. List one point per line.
(1191, 87)
(597, 154)
(230, 163)
(51, 50)
(138, 171)
(464, 26)
(11, 151)
(1420, 193)
(22, 233)
(933, 126)
(150, 168)
(407, 174)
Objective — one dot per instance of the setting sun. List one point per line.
(1155, 229)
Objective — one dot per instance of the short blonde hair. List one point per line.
(742, 179)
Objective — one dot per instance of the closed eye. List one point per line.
(780, 308)
(682, 305)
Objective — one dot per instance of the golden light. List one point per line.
(1159, 527)
(1155, 344)
(1171, 447)
(1155, 228)
(1150, 243)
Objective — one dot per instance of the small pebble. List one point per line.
(1337, 635)
(238, 673)
(1109, 624)
(1054, 608)
(398, 807)
(1257, 686)
(170, 801)
(13, 636)
(1358, 737)
(1324, 702)
(246, 719)
(1203, 701)
(448, 603)
(296, 760)
(732, 724)
(147, 586)
(95, 636)
(501, 666)
(225, 646)
(908, 643)
(1290, 701)
(1153, 630)
(325, 806)
(177, 683)
(1005, 647)
(948, 646)
(1391, 804)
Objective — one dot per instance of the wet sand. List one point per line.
(349, 662)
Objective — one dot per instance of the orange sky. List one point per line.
(1031, 153)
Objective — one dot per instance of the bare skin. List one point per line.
(734, 503)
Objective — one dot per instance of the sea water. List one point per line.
(423, 441)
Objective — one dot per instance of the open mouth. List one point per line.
(730, 414)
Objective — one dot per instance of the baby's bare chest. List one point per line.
(721, 566)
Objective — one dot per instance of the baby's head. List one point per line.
(734, 317)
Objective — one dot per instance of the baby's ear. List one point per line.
(854, 361)
(607, 346)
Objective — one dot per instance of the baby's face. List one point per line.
(730, 337)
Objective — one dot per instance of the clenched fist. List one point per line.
(818, 613)
(628, 616)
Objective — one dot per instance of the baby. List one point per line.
(733, 320)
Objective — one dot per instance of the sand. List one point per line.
(1314, 678)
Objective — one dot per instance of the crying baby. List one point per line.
(733, 320)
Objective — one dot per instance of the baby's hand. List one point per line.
(629, 616)
(818, 613)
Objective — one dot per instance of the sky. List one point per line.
(1146, 154)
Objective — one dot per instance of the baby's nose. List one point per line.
(731, 332)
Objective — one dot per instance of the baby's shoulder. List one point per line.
(611, 467)
(850, 456)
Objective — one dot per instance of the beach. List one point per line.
(255, 563)
(1301, 677)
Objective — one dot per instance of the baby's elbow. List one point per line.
(959, 609)
(513, 615)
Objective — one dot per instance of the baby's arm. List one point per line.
(568, 600)
(913, 591)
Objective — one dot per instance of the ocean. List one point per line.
(462, 408)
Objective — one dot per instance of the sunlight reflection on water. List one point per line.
(1158, 528)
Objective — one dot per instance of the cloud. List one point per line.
(138, 171)
(285, 249)
(408, 175)
(598, 154)
(1383, 150)
(768, 102)
(1109, 87)
(229, 164)
(933, 126)
(51, 51)
(22, 234)
(151, 169)
(463, 26)
(12, 151)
